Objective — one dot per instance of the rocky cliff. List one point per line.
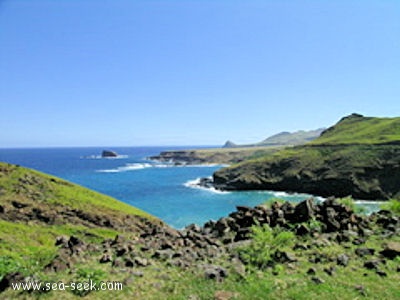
(365, 167)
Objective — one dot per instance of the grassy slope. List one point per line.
(362, 130)
(53, 190)
(29, 245)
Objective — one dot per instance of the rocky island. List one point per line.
(108, 153)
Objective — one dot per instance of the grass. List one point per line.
(362, 130)
(392, 205)
(40, 187)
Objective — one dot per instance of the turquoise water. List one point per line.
(163, 190)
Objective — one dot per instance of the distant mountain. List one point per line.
(229, 144)
(283, 139)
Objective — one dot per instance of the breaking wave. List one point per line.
(195, 184)
(133, 167)
(100, 157)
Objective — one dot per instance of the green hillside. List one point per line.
(36, 209)
(359, 156)
(356, 129)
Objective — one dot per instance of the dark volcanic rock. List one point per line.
(215, 272)
(108, 153)
(305, 210)
(338, 175)
(10, 278)
(391, 250)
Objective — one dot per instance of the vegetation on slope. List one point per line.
(357, 129)
(358, 156)
(275, 251)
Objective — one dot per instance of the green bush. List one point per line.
(265, 241)
(87, 275)
(392, 205)
(349, 202)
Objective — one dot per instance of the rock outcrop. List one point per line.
(109, 153)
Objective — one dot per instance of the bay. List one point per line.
(163, 190)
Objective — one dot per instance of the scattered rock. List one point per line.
(224, 295)
(317, 280)
(284, 257)
(381, 273)
(330, 271)
(215, 272)
(391, 250)
(105, 258)
(342, 260)
(9, 279)
(58, 264)
(372, 264)
(62, 241)
(19, 205)
(312, 271)
(141, 262)
(364, 251)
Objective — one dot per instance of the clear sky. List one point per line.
(129, 73)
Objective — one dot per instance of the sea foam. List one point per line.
(195, 184)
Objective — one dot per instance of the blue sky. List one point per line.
(128, 73)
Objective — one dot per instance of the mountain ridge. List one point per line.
(284, 138)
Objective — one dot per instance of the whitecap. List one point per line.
(195, 184)
(101, 157)
(127, 167)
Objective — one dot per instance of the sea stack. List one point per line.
(108, 153)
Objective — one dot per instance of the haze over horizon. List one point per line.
(132, 73)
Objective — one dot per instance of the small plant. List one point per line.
(314, 225)
(264, 242)
(8, 265)
(85, 275)
(350, 203)
(392, 205)
(270, 202)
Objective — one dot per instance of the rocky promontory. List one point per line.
(366, 166)
(212, 155)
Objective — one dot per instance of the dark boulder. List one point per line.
(365, 251)
(305, 210)
(108, 153)
(217, 273)
(9, 279)
(391, 250)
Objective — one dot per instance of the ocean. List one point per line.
(166, 191)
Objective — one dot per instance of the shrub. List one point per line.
(392, 205)
(265, 241)
(349, 202)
